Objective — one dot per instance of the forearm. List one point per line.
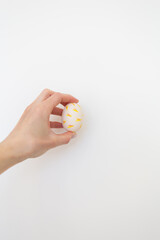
(8, 155)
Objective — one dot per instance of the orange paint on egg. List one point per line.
(69, 115)
(78, 119)
(75, 110)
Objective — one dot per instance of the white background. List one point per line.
(105, 184)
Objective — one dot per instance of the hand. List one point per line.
(32, 136)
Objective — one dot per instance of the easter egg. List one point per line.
(72, 117)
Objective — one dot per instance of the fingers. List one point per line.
(44, 95)
(57, 111)
(63, 138)
(57, 98)
(56, 125)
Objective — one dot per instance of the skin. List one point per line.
(32, 136)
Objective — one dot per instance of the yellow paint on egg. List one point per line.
(69, 115)
(70, 126)
(72, 117)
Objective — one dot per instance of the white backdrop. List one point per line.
(105, 184)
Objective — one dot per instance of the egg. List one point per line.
(72, 117)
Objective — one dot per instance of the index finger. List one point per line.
(61, 98)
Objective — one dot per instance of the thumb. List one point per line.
(64, 138)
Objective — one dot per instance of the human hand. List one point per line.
(32, 136)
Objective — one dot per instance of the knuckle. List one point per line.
(45, 90)
(57, 94)
(37, 110)
(28, 108)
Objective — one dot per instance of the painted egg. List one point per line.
(72, 117)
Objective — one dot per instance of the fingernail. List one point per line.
(74, 135)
